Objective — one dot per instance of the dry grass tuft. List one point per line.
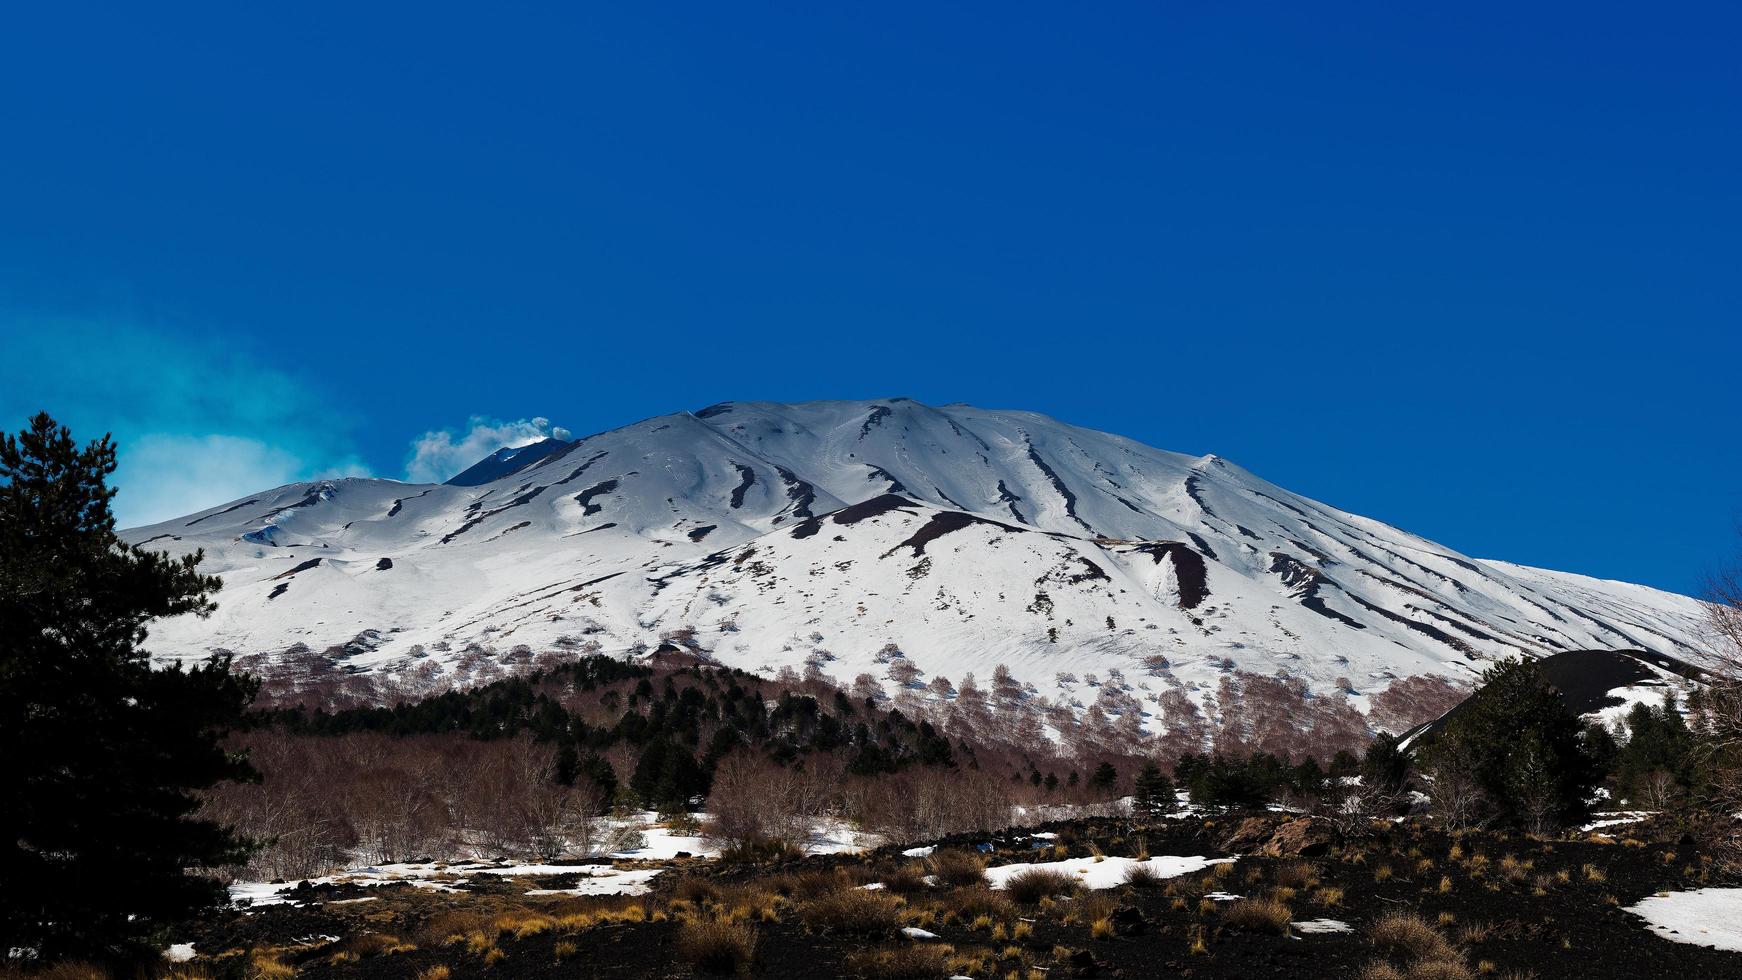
(1029, 886)
(906, 880)
(66, 970)
(1298, 875)
(970, 903)
(1143, 876)
(716, 947)
(266, 966)
(1258, 915)
(854, 912)
(1412, 936)
(919, 961)
(699, 891)
(1475, 932)
(810, 884)
(957, 869)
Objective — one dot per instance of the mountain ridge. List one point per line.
(822, 533)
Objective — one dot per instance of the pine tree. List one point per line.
(1105, 776)
(102, 757)
(1153, 793)
(1522, 746)
(1385, 767)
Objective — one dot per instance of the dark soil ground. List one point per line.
(1506, 906)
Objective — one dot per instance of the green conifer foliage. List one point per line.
(102, 756)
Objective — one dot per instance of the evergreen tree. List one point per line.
(1522, 746)
(1105, 776)
(1153, 792)
(102, 756)
(1385, 768)
(1657, 762)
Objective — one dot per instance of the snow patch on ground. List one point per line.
(608, 881)
(601, 879)
(1707, 917)
(1312, 926)
(1616, 819)
(1109, 872)
(179, 952)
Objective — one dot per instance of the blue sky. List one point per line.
(1472, 271)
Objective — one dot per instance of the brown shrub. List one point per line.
(914, 962)
(957, 869)
(700, 891)
(1296, 874)
(66, 970)
(970, 903)
(905, 880)
(1143, 876)
(712, 946)
(1030, 885)
(1258, 915)
(853, 911)
(1412, 937)
(809, 884)
(1424, 970)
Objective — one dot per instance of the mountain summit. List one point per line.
(835, 533)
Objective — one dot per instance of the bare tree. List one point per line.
(1409, 701)
(755, 802)
(1456, 794)
(554, 818)
(1657, 790)
(866, 688)
(1717, 710)
(904, 672)
(927, 803)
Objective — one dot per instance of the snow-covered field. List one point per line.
(1083, 561)
(621, 872)
(438, 876)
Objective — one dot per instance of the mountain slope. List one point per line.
(825, 531)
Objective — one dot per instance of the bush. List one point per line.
(809, 884)
(1411, 937)
(853, 912)
(1258, 915)
(712, 946)
(1296, 874)
(971, 903)
(958, 869)
(914, 962)
(697, 891)
(1030, 885)
(1142, 875)
(906, 880)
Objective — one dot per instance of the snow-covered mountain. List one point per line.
(824, 531)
